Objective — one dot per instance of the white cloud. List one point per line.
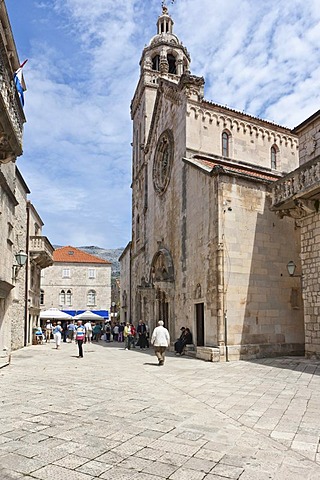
(262, 57)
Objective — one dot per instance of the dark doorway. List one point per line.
(200, 324)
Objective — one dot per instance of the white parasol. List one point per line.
(54, 314)
(88, 315)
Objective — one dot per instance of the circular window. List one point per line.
(162, 162)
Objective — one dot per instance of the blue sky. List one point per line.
(258, 57)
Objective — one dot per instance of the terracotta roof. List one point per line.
(74, 255)
(229, 167)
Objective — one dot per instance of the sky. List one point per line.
(83, 67)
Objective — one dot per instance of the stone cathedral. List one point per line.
(207, 251)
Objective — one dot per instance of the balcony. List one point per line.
(41, 251)
(298, 193)
(12, 116)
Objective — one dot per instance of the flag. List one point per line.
(17, 77)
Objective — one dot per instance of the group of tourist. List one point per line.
(120, 332)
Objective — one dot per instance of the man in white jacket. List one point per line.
(160, 340)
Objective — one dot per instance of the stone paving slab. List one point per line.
(116, 415)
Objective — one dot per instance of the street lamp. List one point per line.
(291, 267)
(21, 258)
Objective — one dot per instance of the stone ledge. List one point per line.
(208, 354)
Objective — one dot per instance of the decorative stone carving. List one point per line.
(163, 162)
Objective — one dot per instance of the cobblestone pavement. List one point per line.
(117, 415)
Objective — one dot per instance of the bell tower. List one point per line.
(164, 57)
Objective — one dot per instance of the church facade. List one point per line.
(206, 251)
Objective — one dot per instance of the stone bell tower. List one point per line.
(164, 57)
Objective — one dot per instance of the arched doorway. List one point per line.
(162, 282)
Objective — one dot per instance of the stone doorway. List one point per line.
(200, 324)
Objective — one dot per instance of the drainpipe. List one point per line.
(130, 285)
(221, 315)
(26, 284)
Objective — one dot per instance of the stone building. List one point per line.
(12, 239)
(206, 250)
(19, 284)
(297, 196)
(77, 281)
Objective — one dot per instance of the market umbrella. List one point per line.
(54, 314)
(88, 315)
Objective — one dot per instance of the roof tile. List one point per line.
(70, 254)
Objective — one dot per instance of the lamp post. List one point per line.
(21, 258)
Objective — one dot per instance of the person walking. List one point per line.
(71, 328)
(142, 335)
(88, 328)
(57, 334)
(121, 330)
(80, 335)
(127, 336)
(48, 331)
(116, 332)
(160, 339)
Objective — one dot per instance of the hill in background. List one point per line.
(110, 254)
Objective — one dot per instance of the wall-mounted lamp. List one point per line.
(291, 267)
(21, 259)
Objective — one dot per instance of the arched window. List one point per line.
(138, 227)
(69, 298)
(91, 297)
(62, 297)
(273, 157)
(156, 63)
(225, 144)
(172, 64)
(41, 297)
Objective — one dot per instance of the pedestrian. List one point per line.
(116, 332)
(160, 339)
(142, 335)
(64, 332)
(133, 335)
(121, 330)
(57, 334)
(48, 331)
(127, 336)
(88, 328)
(96, 330)
(80, 336)
(107, 331)
(71, 328)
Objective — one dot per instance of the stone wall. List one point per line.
(262, 319)
(52, 282)
(310, 248)
(309, 139)
(250, 139)
(17, 308)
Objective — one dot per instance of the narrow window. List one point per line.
(172, 64)
(66, 273)
(225, 144)
(138, 228)
(273, 154)
(69, 298)
(92, 273)
(62, 297)
(41, 297)
(91, 298)
(156, 63)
